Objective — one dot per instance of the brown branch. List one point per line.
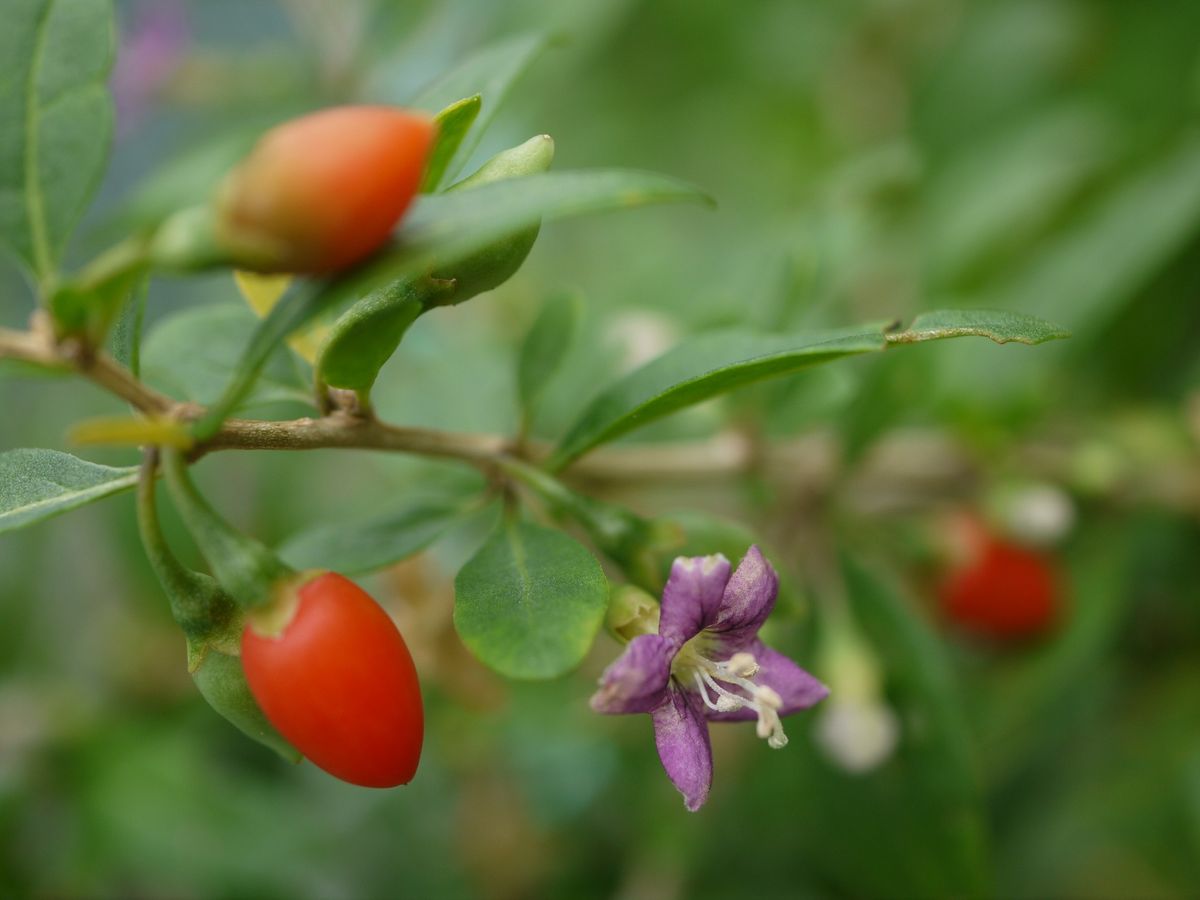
(902, 468)
(353, 432)
(38, 346)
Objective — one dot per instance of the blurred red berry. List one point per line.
(1001, 589)
(324, 191)
(336, 679)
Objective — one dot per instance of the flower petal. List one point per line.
(748, 599)
(681, 735)
(636, 682)
(692, 596)
(796, 688)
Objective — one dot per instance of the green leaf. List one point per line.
(244, 567)
(489, 74)
(38, 484)
(448, 227)
(127, 331)
(366, 335)
(1103, 258)
(292, 312)
(55, 122)
(703, 367)
(546, 347)
(998, 325)
(453, 124)
(355, 548)
(939, 774)
(192, 353)
(530, 602)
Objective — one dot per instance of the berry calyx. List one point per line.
(332, 673)
(324, 191)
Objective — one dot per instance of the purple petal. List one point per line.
(748, 600)
(796, 688)
(692, 597)
(681, 735)
(636, 682)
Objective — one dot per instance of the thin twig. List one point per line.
(39, 347)
(345, 431)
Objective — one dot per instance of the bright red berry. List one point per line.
(323, 191)
(337, 680)
(1002, 589)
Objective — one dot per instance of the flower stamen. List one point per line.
(737, 671)
(722, 704)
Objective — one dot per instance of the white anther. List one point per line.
(742, 664)
(715, 679)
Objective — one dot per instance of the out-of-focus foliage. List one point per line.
(872, 160)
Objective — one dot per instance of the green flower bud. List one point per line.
(631, 612)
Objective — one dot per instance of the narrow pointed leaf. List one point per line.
(998, 325)
(490, 74)
(452, 225)
(546, 347)
(941, 773)
(453, 124)
(700, 368)
(38, 484)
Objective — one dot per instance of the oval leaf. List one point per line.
(192, 353)
(55, 122)
(358, 547)
(700, 368)
(998, 325)
(38, 484)
(530, 602)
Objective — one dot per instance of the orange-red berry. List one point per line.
(336, 679)
(324, 191)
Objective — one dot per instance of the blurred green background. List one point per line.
(871, 159)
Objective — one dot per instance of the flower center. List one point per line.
(718, 684)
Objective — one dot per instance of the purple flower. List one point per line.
(706, 663)
(151, 50)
